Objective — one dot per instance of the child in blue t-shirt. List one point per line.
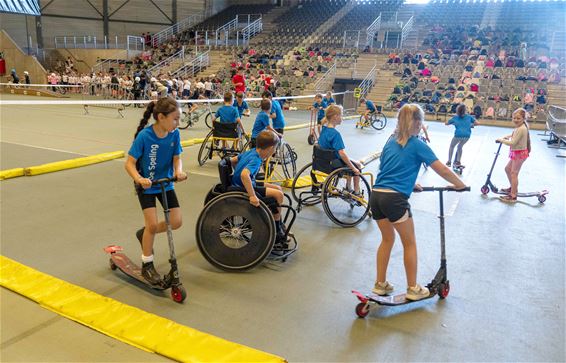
(331, 139)
(400, 162)
(155, 154)
(463, 123)
(247, 165)
(262, 121)
(228, 114)
(241, 105)
(328, 99)
(319, 106)
(370, 108)
(276, 113)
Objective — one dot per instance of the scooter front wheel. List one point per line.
(444, 290)
(112, 265)
(362, 310)
(484, 190)
(178, 293)
(541, 199)
(310, 139)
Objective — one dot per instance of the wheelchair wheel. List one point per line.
(379, 121)
(288, 161)
(307, 186)
(208, 121)
(233, 235)
(340, 204)
(205, 151)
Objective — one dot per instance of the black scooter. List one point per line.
(439, 284)
(171, 279)
(488, 185)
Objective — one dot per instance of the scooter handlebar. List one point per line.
(443, 189)
(497, 142)
(163, 181)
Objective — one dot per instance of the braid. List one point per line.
(145, 119)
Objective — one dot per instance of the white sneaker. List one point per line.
(417, 292)
(382, 288)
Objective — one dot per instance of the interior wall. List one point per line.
(15, 58)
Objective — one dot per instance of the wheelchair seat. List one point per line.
(324, 160)
(225, 130)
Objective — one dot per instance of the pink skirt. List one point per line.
(518, 154)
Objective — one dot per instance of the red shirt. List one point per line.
(239, 79)
(267, 83)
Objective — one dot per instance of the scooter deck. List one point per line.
(524, 195)
(389, 300)
(131, 269)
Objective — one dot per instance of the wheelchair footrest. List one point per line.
(284, 250)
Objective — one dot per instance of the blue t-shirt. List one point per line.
(320, 107)
(370, 106)
(260, 124)
(399, 166)
(249, 160)
(279, 120)
(241, 108)
(227, 114)
(331, 139)
(463, 125)
(156, 155)
(328, 101)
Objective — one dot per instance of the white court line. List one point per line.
(43, 148)
(200, 173)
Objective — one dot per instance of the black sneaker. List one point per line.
(281, 242)
(150, 274)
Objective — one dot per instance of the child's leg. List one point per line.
(451, 150)
(384, 249)
(461, 143)
(153, 227)
(508, 170)
(515, 169)
(274, 191)
(406, 230)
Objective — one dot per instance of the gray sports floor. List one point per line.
(505, 262)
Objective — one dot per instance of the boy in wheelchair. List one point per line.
(228, 114)
(330, 139)
(370, 108)
(246, 167)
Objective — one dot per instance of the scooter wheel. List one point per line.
(310, 140)
(485, 190)
(541, 199)
(178, 293)
(362, 310)
(112, 265)
(444, 290)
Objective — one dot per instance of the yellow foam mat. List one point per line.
(11, 173)
(297, 127)
(72, 163)
(191, 142)
(123, 322)
(302, 182)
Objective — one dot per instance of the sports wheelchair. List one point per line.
(326, 180)
(376, 119)
(233, 235)
(222, 132)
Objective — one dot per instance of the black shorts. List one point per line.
(148, 200)
(319, 122)
(392, 206)
(253, 143)
(279, 131)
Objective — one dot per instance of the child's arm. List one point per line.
(239, 121)
(348, 162)
(513, 139)
(131, 169)
(247, 181)
(178, 172)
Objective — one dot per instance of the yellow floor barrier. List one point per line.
(123, 322)
(11, 173)
(72, 163)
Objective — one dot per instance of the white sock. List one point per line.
(146, 259)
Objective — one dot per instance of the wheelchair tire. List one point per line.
(205, 152)
(310, 139)
(308, 198)
(338, 206)
(379, 121)
(208, 121)
(233, 235)
(288, 161)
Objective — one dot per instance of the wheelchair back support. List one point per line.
(325, 160)
(225, 130)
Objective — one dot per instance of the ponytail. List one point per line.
(145, 119)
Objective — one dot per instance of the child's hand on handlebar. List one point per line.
(418, 188)
(145, 183)
(254, 200)
(457, 187)
(181, 176)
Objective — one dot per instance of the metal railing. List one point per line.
(249, 31)
(326, 82)
(180, 55)
(129, 42)
(407, 28)
(351, 39)
(372, 30)
(368, 82)
(106, 64)
(247, 18)
(194, 66)
(225, 30)
(179, 27)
